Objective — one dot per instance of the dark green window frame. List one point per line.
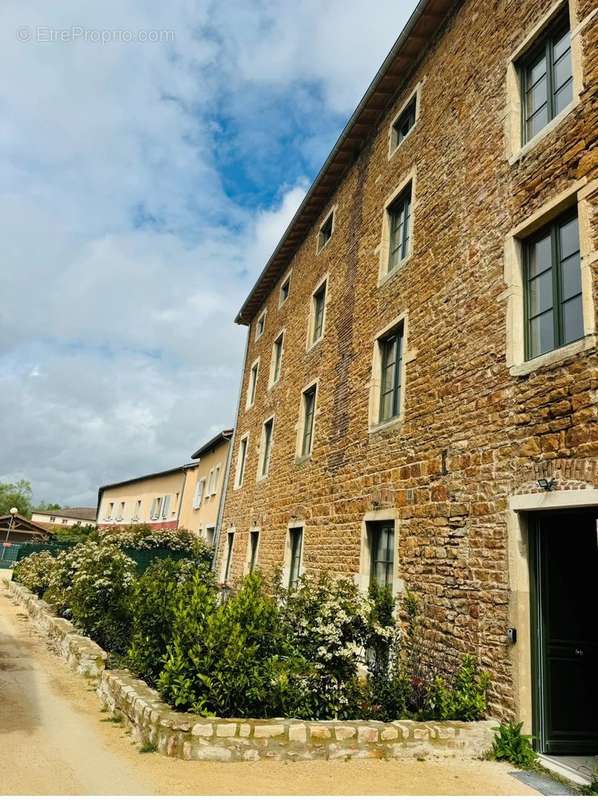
(326, 230)
(382, 553)
(277, 358)
(267, 440)
(399, 229)
(285, 290)
(552, 289)
(254, 540)
(242, 460)
(319, 301)
(309, 408)
(404, 123)
(391, 363)
(296, 543)
(554, 54)
(229, 555)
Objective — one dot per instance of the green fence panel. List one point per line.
(142, 558)
(9, 553)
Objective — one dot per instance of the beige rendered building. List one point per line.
(419, 399)
(182, 497)
(66, 517)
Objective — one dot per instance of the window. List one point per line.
(109, 511)
(210, 490)
(276, 364)
(156, 508)
(399, 229)
(285, 290)
(260, 325)
(198, 494)
(546, 76)
(382, 545)
(241, 461)
(404, 123)
(391, 362)
(53, 519)
(210, 535)
(216, 480)
(318, 313)
(254, 540)
(309, 407)
(121, 512)
(229, 555)
(295, 546)
(253, 376)
(166, 507)
(326, 230)
(137, 512)
(553, 294)
(266, 447)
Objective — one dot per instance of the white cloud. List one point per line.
(125, 253)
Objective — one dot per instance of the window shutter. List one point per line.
(166, 507)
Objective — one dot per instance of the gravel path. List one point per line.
(55, 740)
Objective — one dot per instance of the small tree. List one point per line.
(16, 495)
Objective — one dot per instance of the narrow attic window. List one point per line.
(326, 231)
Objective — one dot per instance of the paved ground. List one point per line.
(55, 740)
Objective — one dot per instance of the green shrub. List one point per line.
(153, 606)
(101, 593)
(35, 571)
(593, 787)
(72, 534)
(224, 658)
(511, 745)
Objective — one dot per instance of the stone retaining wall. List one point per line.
(81, 654)
(196, 738)
(191, 737)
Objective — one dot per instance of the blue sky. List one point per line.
(143, 185)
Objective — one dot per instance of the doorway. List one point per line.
(565, 627)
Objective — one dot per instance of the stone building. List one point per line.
(419, 392)
(187, 497)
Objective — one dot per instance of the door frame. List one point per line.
(540, 730)
(522, 601)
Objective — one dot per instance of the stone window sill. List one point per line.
(547, 129)
(388, 276)
(554, 357)
(379, 427)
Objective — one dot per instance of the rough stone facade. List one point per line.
(473, 432)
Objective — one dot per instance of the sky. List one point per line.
(151, 155)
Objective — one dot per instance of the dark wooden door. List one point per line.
(567, 642)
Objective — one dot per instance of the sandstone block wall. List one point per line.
(473, 434)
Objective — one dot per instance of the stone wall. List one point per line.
(191, 737)
(82, 654)
(195, 738)
(473, 434)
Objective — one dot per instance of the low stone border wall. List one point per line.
(195, 738)
(191, 737)
(82, 654)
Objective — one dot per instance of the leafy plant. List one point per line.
(35, 571)
(593, 787)
(224, 657)
(153, 608)
(512, 745)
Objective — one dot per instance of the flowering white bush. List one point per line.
(35, 571)
(142, 537)
(333, 627)
(100, 594)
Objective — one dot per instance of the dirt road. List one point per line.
(54, 739)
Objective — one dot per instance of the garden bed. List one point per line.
(192, 737)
